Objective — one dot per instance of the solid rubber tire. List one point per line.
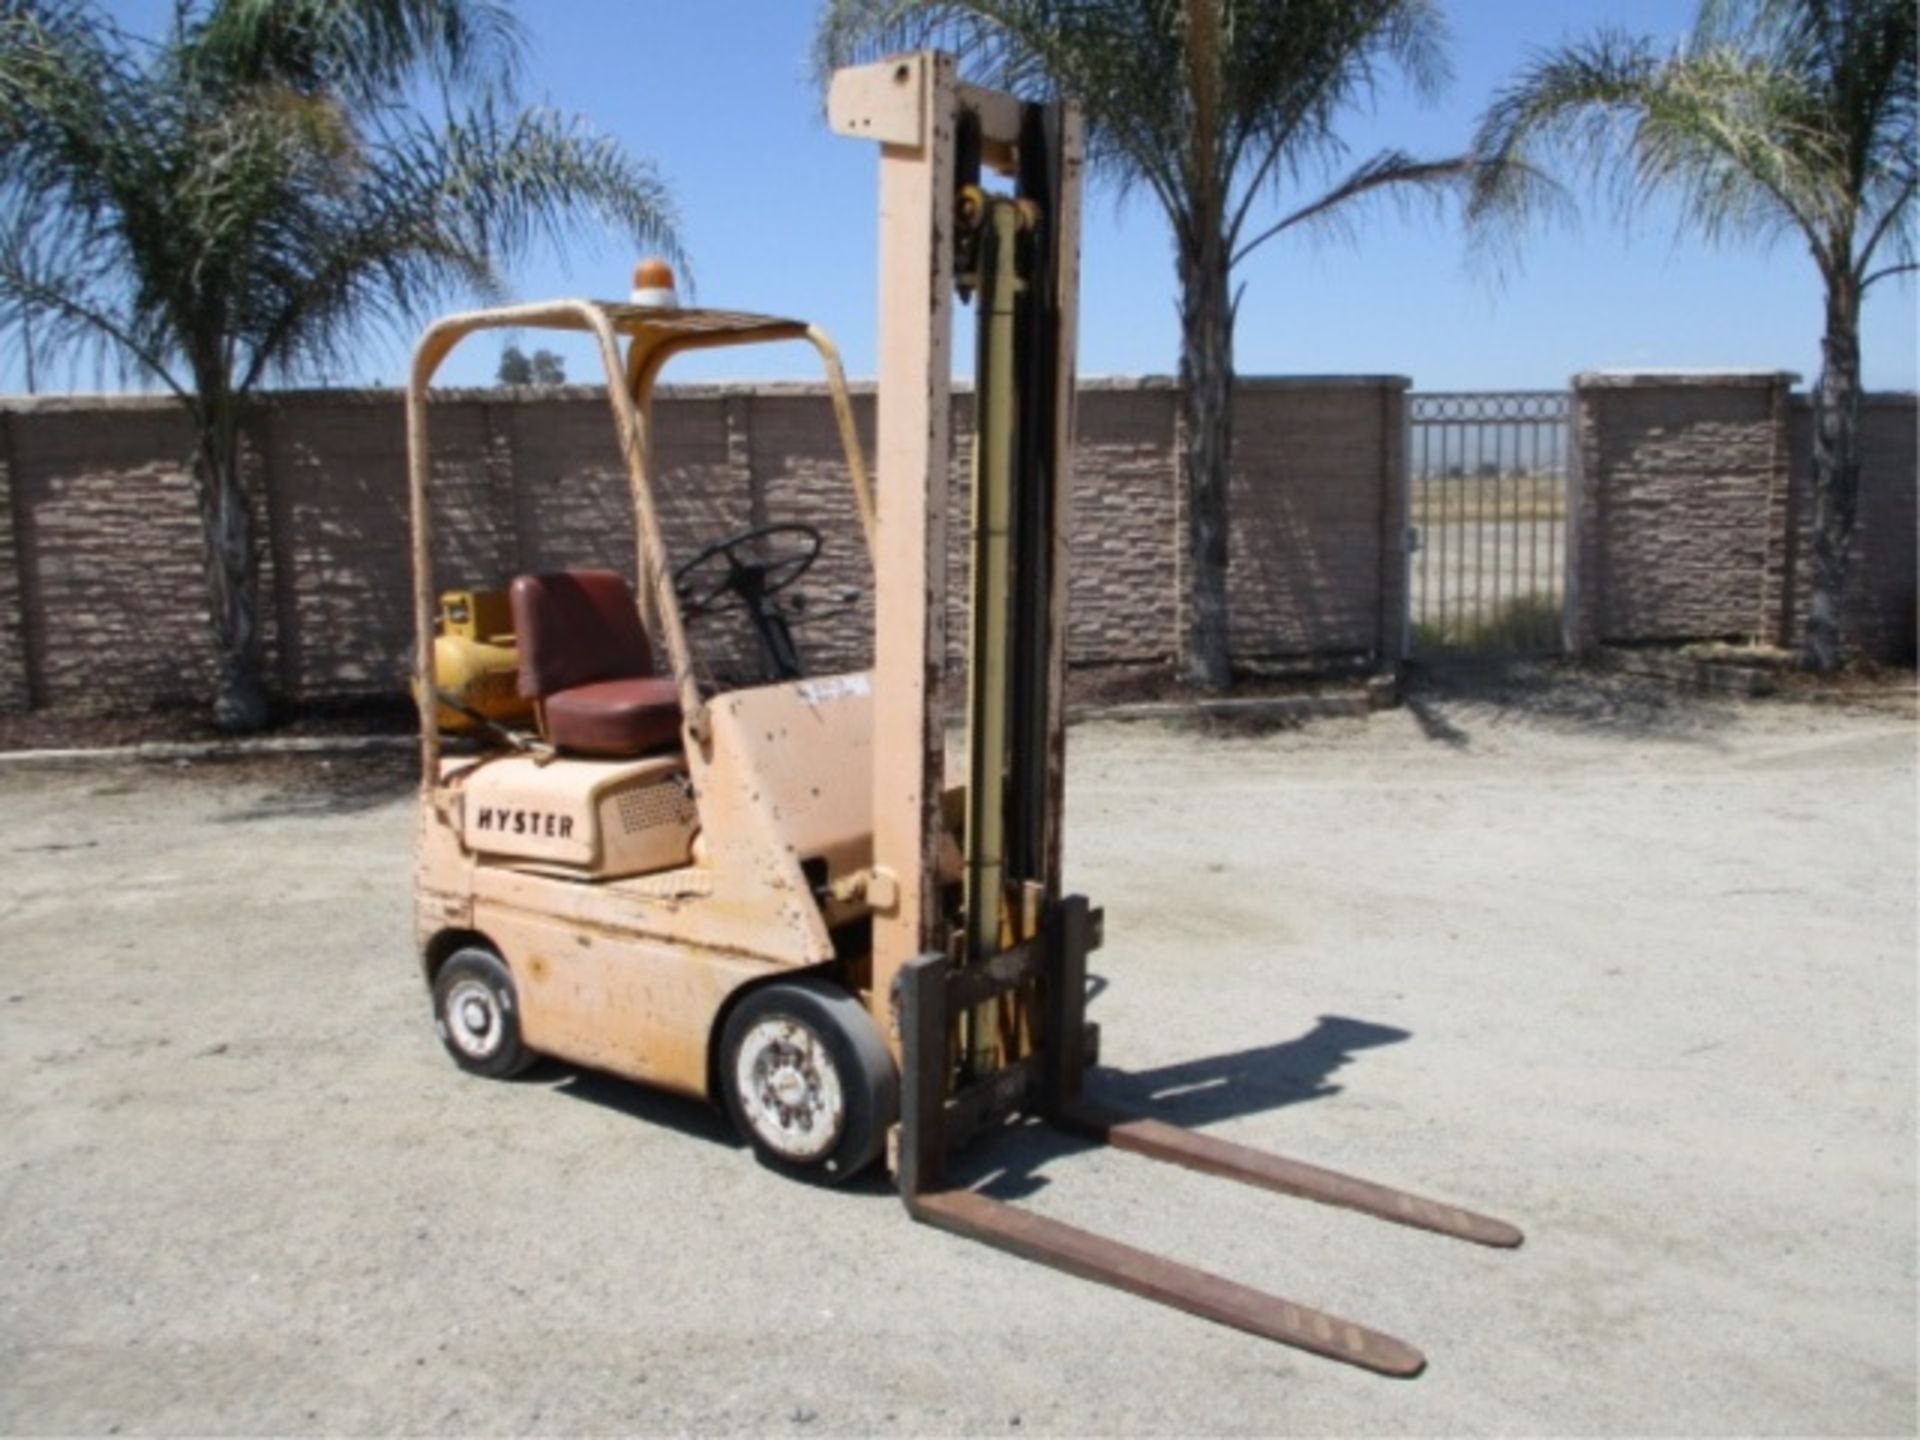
(868, 1079)
(512, 1056)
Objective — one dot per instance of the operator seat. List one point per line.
(586, 662)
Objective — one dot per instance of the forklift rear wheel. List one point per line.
(477, 1015)
(808, 1080)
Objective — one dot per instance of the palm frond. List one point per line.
(1577, 104)
(1293, 71)
(1390, 175)
(1120, 59)
(359, 50)
(434, 212)
(237, 203)
(1212, 120)
(69, 89)
(509, 179)
(1774, 117)
(58, 301)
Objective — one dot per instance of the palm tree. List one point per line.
(1773, 118)
(1214, 107)
(238, 200)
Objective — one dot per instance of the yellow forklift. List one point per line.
(775, 895)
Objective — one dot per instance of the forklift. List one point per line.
(780, 896)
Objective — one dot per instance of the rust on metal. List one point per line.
(985, 1102)
(1161, 1141)
(919, 990)
(1007, 970)
(1109, 1262)
(1072, 932)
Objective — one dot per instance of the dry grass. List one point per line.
(1526, 624)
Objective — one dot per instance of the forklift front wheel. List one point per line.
(477, 1015)
(808, 1080)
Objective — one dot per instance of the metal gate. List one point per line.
(1487, 504)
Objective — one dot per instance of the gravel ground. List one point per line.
(1634, 971)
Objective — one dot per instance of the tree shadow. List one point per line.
(1452, 698)
(1432, 719)
(309, 787)
(1006, 1164)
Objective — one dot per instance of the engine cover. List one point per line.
(604, 819)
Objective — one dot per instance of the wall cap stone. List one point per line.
(1878, 399)
(1666, 379)
(85, 401)
(144, 401)
(1324, 382)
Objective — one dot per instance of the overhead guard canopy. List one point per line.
(656, 333)
(649, 325)
(628, 319)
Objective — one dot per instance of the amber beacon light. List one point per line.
(653, 285)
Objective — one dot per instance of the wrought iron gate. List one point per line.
(1487, 504)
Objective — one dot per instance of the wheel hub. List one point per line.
(789, 1086)
(790, 1089)
(473, 1019)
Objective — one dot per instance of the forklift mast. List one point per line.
(938, 138)
(985, 981)
(979, 201)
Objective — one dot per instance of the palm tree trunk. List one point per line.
(1206, 422)
(233, 575)
(1836, 472)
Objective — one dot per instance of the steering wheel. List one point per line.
(729, 575)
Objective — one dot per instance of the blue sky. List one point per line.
(779, 215)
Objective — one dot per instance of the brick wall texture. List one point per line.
(1692, 510)
(102, 601)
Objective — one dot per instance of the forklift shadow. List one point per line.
(1191, 1094)
(694, 1118)
(1225, 1087)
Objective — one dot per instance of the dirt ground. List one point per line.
(1634, 971)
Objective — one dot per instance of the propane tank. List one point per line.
(476, 662)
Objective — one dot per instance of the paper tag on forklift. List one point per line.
(833, 687)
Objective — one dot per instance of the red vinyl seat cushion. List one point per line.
(615, 717)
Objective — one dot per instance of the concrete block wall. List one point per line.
(102, 599)
(1126, 584)
(108, 576)
(1881, 599)
(799, 475)
(1679, 497)
(1691, 510)
(340, 534)
(16, 663)
(1125, 598)
(1317, 549)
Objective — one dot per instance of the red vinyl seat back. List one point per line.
(576, 627)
